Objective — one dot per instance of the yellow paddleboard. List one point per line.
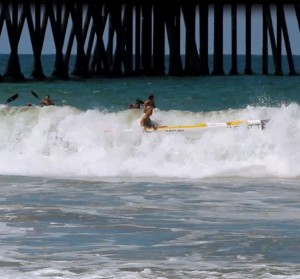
(230, 124)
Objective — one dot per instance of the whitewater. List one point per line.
(69, 142)
(86, 193)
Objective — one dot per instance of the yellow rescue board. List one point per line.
(230, 124)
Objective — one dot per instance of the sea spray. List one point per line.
(66, 141)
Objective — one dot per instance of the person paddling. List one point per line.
(137, 104)
(47, 101)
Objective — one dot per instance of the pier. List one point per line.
(147, 38)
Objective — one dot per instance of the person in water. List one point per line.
(47, 101)
(149, 102)
(136, 105)
(145, 121)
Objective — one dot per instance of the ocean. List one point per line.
(82, 197)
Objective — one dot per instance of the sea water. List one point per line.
(85, 193)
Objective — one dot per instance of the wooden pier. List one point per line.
(133, 38)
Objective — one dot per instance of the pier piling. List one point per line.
(152, 38)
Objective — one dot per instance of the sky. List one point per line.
(292, 24)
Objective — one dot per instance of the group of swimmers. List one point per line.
(145, 121)
(149, 105)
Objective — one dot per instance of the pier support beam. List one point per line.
(58, 28)
(126, 38)
(13, 69)
(158, 39)
(146, 51)
(203, 11)
(173, 32)
(233, 70)
(265, 66)
(272, 39)
(283, 27)
(192, 61)
(248, 67)
(218, 40)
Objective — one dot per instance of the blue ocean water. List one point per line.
(82, 197)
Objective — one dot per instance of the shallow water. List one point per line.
(143, 228)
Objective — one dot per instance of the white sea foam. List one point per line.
(64, 141)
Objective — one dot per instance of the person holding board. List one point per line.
(149, 102)
(145, 121)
